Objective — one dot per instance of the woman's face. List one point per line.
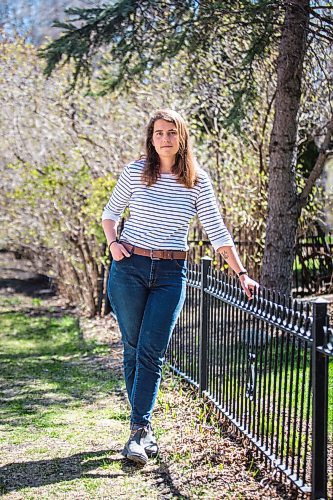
(165, 139)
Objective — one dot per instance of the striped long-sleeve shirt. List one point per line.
(160, 214)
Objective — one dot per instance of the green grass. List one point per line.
(48, 355)
(10, 301)
(46, 363)
(63, 412)
(62, 409)
(290, 400)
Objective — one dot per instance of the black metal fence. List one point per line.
(264, 365)
(313, 265)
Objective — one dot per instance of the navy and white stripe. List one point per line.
(160, 214)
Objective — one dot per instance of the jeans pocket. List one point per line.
(122, 260)
(119, 260)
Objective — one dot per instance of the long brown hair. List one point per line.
(185, 166)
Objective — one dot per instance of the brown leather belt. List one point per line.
(155, 254)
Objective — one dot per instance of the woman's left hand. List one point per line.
(248, 285)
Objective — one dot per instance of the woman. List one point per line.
(147, 281)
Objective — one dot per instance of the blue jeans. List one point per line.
(147, 296)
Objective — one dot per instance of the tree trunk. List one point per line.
(284, 210)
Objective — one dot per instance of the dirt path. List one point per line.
(64, 414)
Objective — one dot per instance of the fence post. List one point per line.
(319, 402)
(205, 266)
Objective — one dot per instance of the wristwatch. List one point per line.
(241, 273)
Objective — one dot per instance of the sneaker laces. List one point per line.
(140, 429)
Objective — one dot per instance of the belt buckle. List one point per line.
(152, 255)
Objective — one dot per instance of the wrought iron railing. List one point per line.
(313, 264)
(264, 365)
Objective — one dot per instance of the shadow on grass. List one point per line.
(34, 474)
(36, 285)
(16, 476)
(46, 311)
(161, 476)
(164, 473)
